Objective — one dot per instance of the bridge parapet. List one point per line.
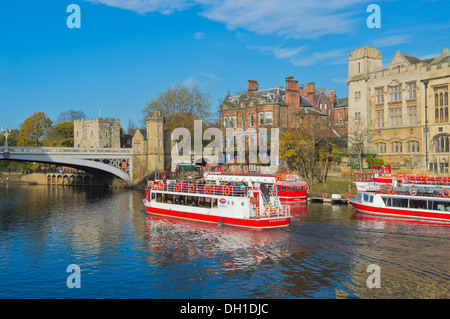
(116, 161)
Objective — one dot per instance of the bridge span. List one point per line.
(113, 161)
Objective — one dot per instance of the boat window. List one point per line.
(214, 202)
(153, 196)
(290, 188)
(159, 197)
(366, 197)
(370, 198)
(359, 197)
(399, 202)
(283, 188)
(418, 203)
(439, 205)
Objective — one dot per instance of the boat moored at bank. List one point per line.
(406, 196)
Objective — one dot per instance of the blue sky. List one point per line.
(127, 51)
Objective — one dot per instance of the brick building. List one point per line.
(277, 107)
(293, 106)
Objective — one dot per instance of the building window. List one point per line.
(252, 120)
(357, 115)
(395, 117)
(380, 118)
(442, 143)
(261, 118)
(412, 90)
(396, 147)
(412, 115)
(232, 121)
(380, 147)
(243, 122)
(268, 118)
(395, 93)
(159, 128)
(225, 122)
(379, 93)
(412, 146)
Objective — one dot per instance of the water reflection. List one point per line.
(238, 247)
(126, 253)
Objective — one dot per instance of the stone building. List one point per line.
(151, 148)
(97, 133)
(405, 107)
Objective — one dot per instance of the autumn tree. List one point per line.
(33, 129)
(309, 150)
(180, 104)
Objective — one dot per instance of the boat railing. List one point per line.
(205, 189)
(417, 190)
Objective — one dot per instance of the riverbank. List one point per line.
(334, 185)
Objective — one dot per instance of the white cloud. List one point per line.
(338, 56)
(145, 6)
(287, 18)
(278, 52)
(201, 79)
(391, 40)
(198, 35)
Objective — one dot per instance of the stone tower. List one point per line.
(361, 62)
(97, 133)
(155, 140)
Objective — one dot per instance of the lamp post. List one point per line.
(7, 133)
(425, 82)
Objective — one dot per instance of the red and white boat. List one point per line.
(286, 186)
(407, 196)
(244, 205)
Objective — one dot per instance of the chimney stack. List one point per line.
(291, 84)
(252, 85)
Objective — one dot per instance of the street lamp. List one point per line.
(7, 133)
(425, 82)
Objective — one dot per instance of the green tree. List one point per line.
(59, 135)
(33, 129)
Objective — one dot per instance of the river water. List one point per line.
(326, 252)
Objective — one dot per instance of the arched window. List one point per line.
(446, 113)
(436, 99)
(446, 98)
(442, 143)
(441, 99)
(441, 115)
(436, 115)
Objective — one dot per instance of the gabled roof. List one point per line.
(311, 111)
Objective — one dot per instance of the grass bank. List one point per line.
(334, 186)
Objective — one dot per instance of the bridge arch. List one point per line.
(115, 162)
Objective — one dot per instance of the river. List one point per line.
(326, 252)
